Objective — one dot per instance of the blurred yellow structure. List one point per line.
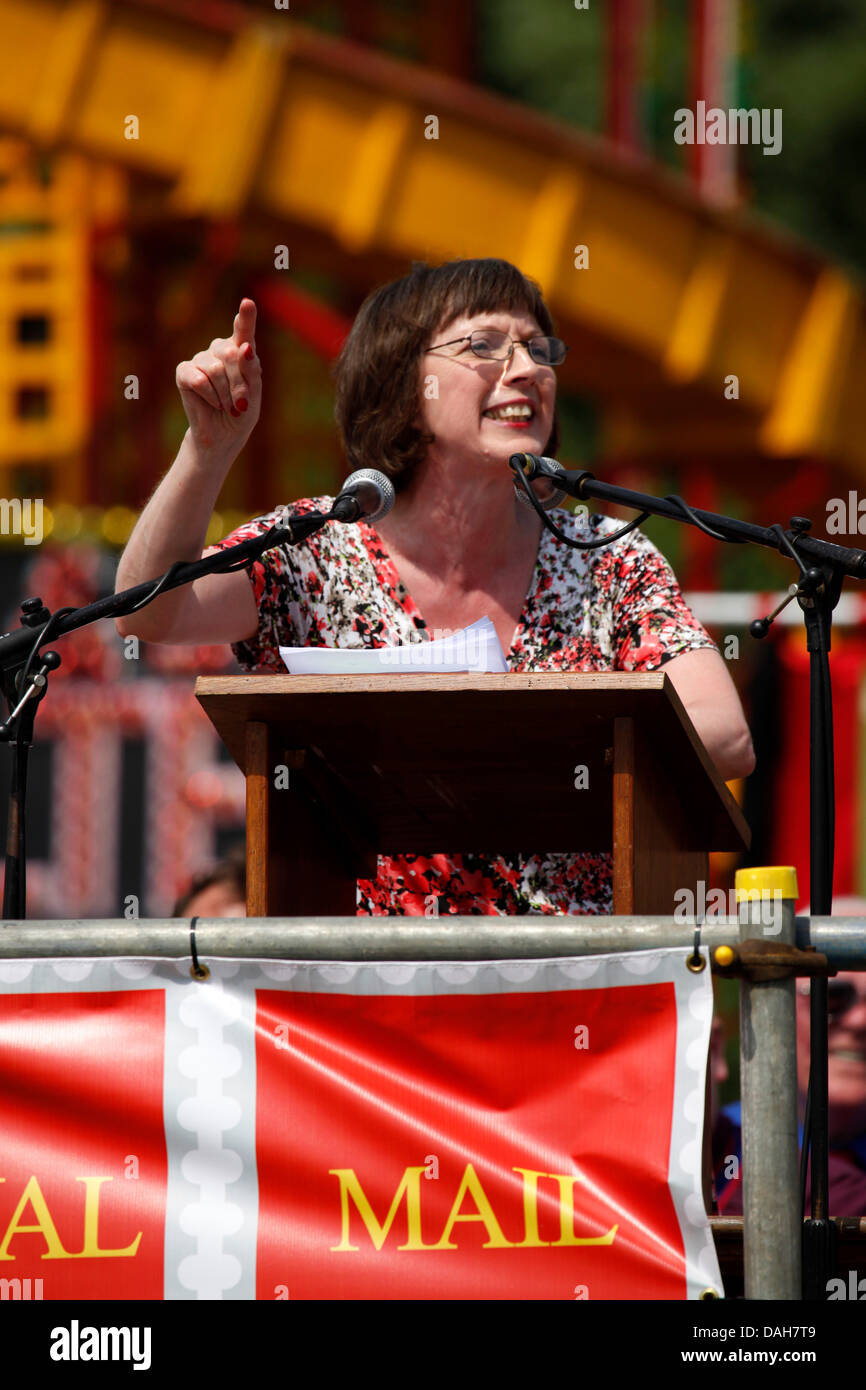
(45, 347)
(358, 164)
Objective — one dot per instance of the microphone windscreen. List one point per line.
(547, 495)
(374, 491)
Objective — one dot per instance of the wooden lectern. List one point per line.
(491, 764)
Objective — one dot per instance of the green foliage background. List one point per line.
(807, 57)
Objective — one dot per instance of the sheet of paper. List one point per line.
(476, 648)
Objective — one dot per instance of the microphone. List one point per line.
(533, 467)
(365, 495)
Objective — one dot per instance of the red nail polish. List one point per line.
(235, 413)
(243, 404)
(248, 352)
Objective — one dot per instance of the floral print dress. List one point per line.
(618, 608)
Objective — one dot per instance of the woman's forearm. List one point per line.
(221, 391)
(173, 526)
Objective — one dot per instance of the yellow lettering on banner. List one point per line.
(410, 1185)
(91, 1248)
(566, 1214)
(471, 1184)
(44, 1224)
(531, 1239)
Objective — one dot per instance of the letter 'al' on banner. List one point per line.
(513, 1130)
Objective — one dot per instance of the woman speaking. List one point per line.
(445, 374)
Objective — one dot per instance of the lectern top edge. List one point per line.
(404, 680)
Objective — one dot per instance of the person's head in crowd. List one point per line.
(846, 1040)
(846, 1060)
(220, 891)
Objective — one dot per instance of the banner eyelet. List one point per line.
(196, 970)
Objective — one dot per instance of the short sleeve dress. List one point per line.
(617, 608)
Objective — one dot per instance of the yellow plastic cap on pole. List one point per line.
(765, 882)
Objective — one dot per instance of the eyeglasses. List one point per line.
(841, 996)
(493, 345)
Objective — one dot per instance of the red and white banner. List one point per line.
(509, 1129)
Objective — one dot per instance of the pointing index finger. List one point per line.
(245, 324)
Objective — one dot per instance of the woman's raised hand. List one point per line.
(221, 388)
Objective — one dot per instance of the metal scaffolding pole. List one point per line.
(772, 1221)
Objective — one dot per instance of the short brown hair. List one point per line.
(377, 399)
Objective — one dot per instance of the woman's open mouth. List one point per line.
(519, 414)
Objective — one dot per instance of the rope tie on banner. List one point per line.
(197, 970)
(695, 962)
